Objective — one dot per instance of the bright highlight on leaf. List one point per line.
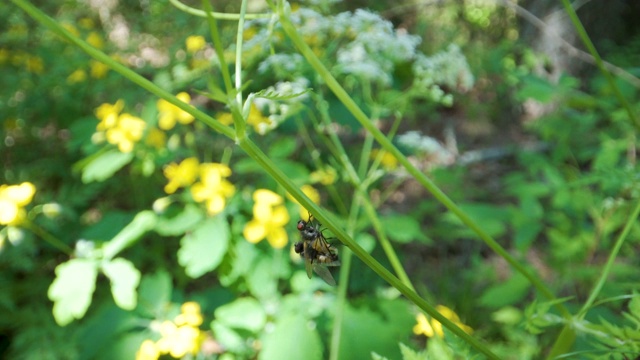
(72, 289)
(124, 281)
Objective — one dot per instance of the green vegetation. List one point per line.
(157, 157)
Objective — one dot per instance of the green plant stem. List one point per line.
(234, 102)
(361, 186)
(217, 15)
(46, 236)
(238, 77)
(592, 49)
(341, 302)
(256, 154)
(362, 118)
(45, 20)
(567, 336)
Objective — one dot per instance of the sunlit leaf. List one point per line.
(181, 222)
(203, 249)
(105, 165)
(243, 313)
(292, 339)
(72, 289)
(124, 281)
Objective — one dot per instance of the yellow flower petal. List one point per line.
(254, 231)
(148, 351)
(278, 237)
(266, 196)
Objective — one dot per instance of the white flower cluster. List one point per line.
(364, 46)
(448, 68)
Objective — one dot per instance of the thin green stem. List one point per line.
(362, 118)
(592, 49)
(217, 15)
(567, 337)
(123, 70)
(234, 105)
(257, 155)
(238, 77)
(48, 237)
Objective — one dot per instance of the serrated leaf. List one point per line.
(105, 165)
(203, 249)
(243, 313)
(634, 306)
(292, 339)
(272, 94)
(72, 289)
(410, 354)
(124, 281)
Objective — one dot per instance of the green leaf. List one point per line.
(403, 228)
(243, 313)
(273, 94)
(155, 291)
(410, 354)
(506, 293)
(291, 339)
(124, 281)
(538, 89)
(203, 249)
(141, 223)
(283, 148)
(105, 165)
(181, 222)
(385, 323)
(230, 339)
(72, 289)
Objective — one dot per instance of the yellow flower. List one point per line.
(269, 218)
(98, 69)
(170, 113)
(148, 351)
(77, 76)
(86, 23)
(110, 111)
(13, 199)
(156, 138)
(95, 40)
(71, 28)
(213, 188)
(225, 118)
(190, 314)
(312, 194)
(195, 44)
(177, 341)
(388, 161)
(261, 124)
(181, 175)
(325, 176)
(431, 327)
(127, 131)
(123, 130)
(34, 64)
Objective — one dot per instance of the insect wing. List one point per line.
(308, 264)
(324, 273)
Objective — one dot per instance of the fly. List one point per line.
(316, 251)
